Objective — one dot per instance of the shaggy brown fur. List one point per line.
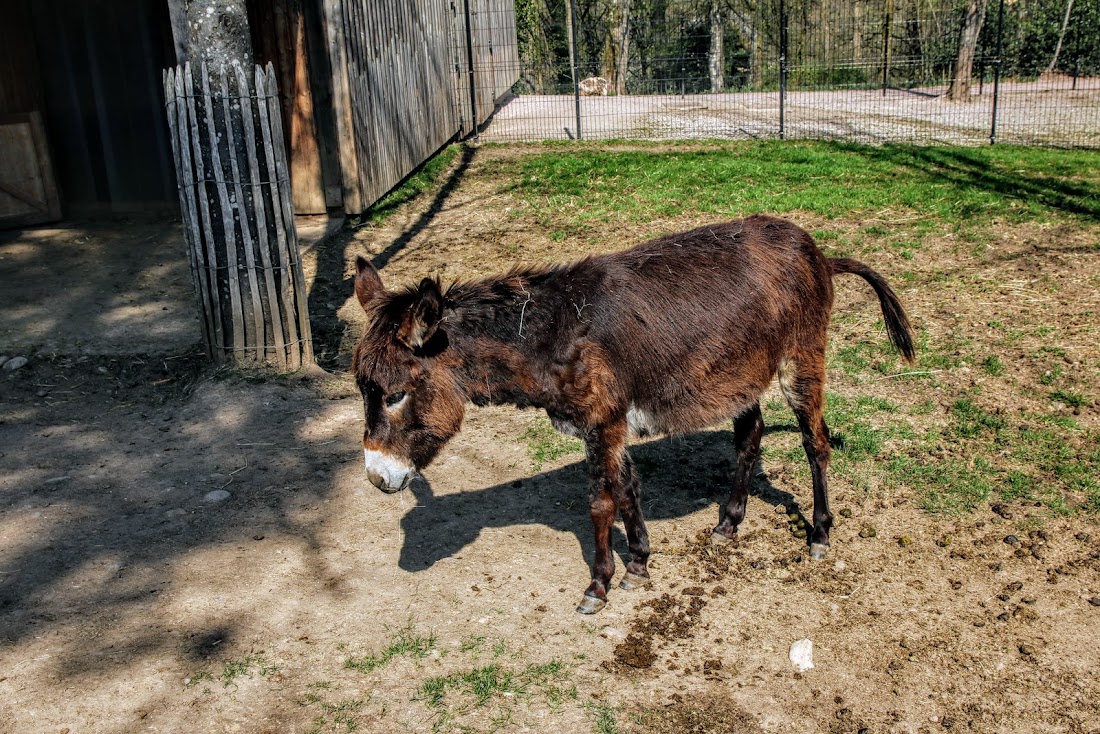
(676, 334)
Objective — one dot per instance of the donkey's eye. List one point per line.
(393, 399)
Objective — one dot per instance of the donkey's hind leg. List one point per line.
(803, 384)
(628, 499)
(747, 431)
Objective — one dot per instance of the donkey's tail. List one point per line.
(897, 323)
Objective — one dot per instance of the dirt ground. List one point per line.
(133, 600)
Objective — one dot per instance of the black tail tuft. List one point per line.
(897, 323)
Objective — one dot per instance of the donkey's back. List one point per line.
(697, 324)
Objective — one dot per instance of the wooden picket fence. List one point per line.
(234, 187)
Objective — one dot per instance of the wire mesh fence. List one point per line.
(934, 71)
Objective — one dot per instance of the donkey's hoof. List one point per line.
(818, 551)
(632, 581)
(717, 538)
(591, 604)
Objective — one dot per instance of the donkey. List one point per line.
(674, 335)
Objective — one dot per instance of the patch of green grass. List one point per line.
(234, 669)
(451, 696)
(545, 443)
(472, 643)
(604, 718)
(971, 421)
(1070, 398)
(1051, 376)
(203, 676)
(423, 179)
(947, 186)
(405, 641)
(993, 366)
(947, 486)
(335, 716)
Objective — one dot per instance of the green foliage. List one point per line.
(451, 696)
(993, 366)
(405, 641)
(545, 443)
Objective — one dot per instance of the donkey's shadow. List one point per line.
(679, 475)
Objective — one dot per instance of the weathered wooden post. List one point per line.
(235, 201)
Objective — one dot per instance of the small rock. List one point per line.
(57, 480)
(177, 512)
(1083, 537)
(257, 537)
(868, 532)
(1014, 587)
(613, 633)
(840, 565)
(3, 358)
(802, 655)
(1026, 649)
(217, 495)
(101, 370)
(1012, 540)
(15, 363)
(947, 722)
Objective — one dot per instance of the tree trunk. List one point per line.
(622, 45)
(857, 32)
(968, 44)
(1061, 37)
(214, 31)
(717, 56)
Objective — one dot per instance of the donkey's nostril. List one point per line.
(376, 479)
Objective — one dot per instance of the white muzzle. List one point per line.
(386, 472)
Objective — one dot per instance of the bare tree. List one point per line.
(968, 45)
(1061, 37)
(622, 44)
(717, 58)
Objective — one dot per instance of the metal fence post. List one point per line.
(782, 68)
(572, 8)
(997, 71)
(470, 71)
(886, 51)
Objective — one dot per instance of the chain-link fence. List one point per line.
(936, 71)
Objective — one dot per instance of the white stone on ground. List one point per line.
(802, 654)
(15, 363)
(216, 496)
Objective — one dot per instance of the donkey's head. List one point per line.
(411, 399)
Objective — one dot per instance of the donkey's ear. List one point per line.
(422, 317)
(368, 283)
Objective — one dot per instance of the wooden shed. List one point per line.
(370, 89)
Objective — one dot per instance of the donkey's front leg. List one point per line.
(606, 450)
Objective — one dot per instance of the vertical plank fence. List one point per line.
(235, 200)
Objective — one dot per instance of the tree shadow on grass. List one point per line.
(970, 167)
